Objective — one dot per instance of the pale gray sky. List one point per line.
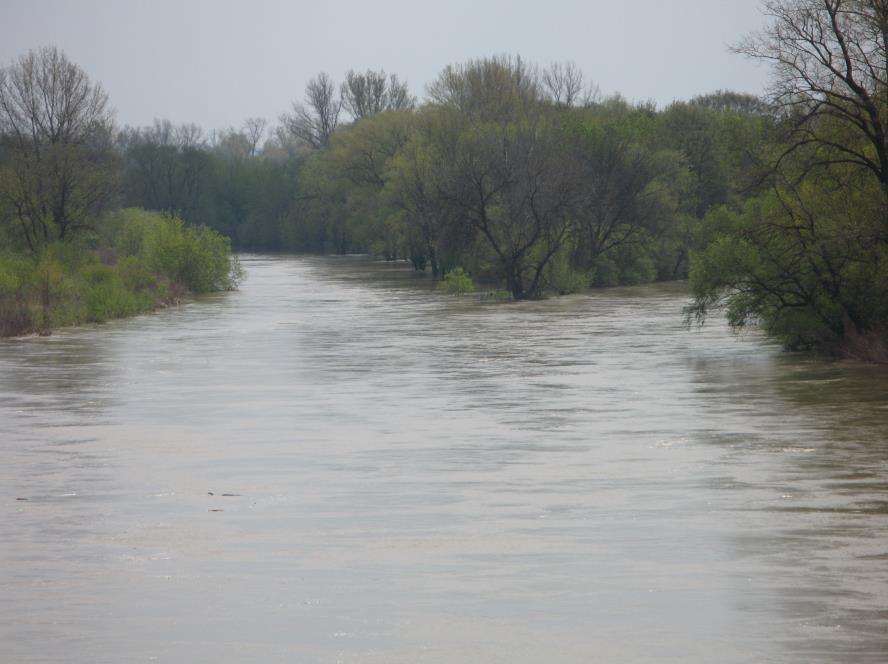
(217, 62)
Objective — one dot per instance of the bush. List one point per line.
(457, 282)
(562, 277)
(111, 299)
(196, 257)
(625, 265)
(153, 259)
(605, 272)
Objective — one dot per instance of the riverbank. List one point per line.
(135, 262)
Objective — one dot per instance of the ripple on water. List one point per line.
(341, 463)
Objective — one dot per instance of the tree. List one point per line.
(166, 168)
(565, 87)
(728, 101)
(399, 97)
(346, 182)
(57, 168)
(364, 95)
(614, 206)
(372, 92)
(512, 187)
(314, 121)
(254, 130)
(830, 60)
(807, 260)
(435, 232)
(488, 88)
(501, 161)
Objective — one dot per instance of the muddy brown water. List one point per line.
(428, 478)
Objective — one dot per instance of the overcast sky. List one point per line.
(217, 62)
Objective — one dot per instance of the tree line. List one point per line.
(522, 176)
(526, 177)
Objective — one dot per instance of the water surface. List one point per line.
(426, 478)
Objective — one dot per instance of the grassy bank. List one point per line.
(133, 262)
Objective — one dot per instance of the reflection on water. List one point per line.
(422, 478)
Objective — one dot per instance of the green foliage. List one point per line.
(562, 277)
(626, 265)
(15, 315)
(493, 174)
(112, 299)
(154, 259)
(807, 263)
(457, 282)
(251, 199)
(196, 257)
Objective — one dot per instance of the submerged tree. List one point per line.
(502, 168)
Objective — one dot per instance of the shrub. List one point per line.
(196, 257)
(153, 259)
(457, 282)
(562, 278)
(111, 299)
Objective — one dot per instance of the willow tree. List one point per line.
(56, 158)
(809, 259)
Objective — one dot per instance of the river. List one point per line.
(417, 477)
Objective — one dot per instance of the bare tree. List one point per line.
(565, 86)
(372, 92)
(831, 76)
(364, 95)
(188, 136)
(314, 122)
(254, 130)
(55, 127)
(399, 97)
